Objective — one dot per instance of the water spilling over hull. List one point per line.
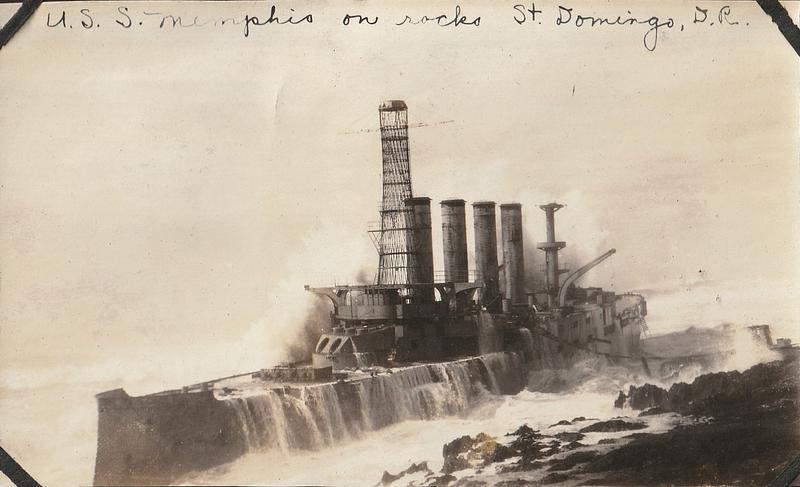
(156, 439)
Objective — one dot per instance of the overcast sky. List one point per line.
(164, 188)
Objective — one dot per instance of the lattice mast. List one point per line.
(395, 245)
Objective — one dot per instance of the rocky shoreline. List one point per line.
(725, 428)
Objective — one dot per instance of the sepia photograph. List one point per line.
(388, 244)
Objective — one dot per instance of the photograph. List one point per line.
(399, 243)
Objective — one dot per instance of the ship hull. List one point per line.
(159, 438)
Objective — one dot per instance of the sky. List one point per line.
(166, 193)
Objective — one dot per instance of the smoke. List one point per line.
(303, 338)
(363, 276)
(581, 225)
(302, 344)
(534, 262)
(577, 224)
(330, 253)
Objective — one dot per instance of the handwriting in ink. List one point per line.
(442, 20)
(274, 19)
(87, 21)
(521, 14)
(358, 19)
(650, 39)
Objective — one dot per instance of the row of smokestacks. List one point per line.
(454, 246)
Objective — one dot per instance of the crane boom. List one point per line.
(562, 291)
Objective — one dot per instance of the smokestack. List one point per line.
(513, 260)
(551, 248)
(420, 265)
(454, 241)
(486, 249)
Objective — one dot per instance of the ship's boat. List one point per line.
(413, 344)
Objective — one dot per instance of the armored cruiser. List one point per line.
(413, 344)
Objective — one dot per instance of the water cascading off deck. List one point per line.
(157, 442)
(317, 416)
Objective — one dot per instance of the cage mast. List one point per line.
(395, 245)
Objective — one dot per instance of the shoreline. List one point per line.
(722, 428)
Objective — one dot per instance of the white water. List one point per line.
(364, 359)
(48, 415)
(592, 386)
(527, 338)
(587, 389)
(272, 420)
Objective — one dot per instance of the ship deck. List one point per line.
(250, 383)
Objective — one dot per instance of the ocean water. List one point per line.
(587, 389)
(48, 418)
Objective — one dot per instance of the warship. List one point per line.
(413, 344)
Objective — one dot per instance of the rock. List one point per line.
(518, 467)
(727, 394)
(528, 444)
(417, 467)
(459, 445)
(522, 430)
(571, 460)
(454, 464)
(646, 396)
(529, 447)
(612, 426)
(483, 450)
(467, 452)
(594, 481)
(579, 418)
(441, 480)
(468, 482)
(653, 411)
(526, 433)
(720, 453)
(752, 438)
(481, 437)
(554, 478)
(572, 445)
(513, 483)
(563, 422)
(569, 436)
(453, 454)
(620, 402)
(502, 453)
(388, 478)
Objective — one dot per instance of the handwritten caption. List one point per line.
(562, 16)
